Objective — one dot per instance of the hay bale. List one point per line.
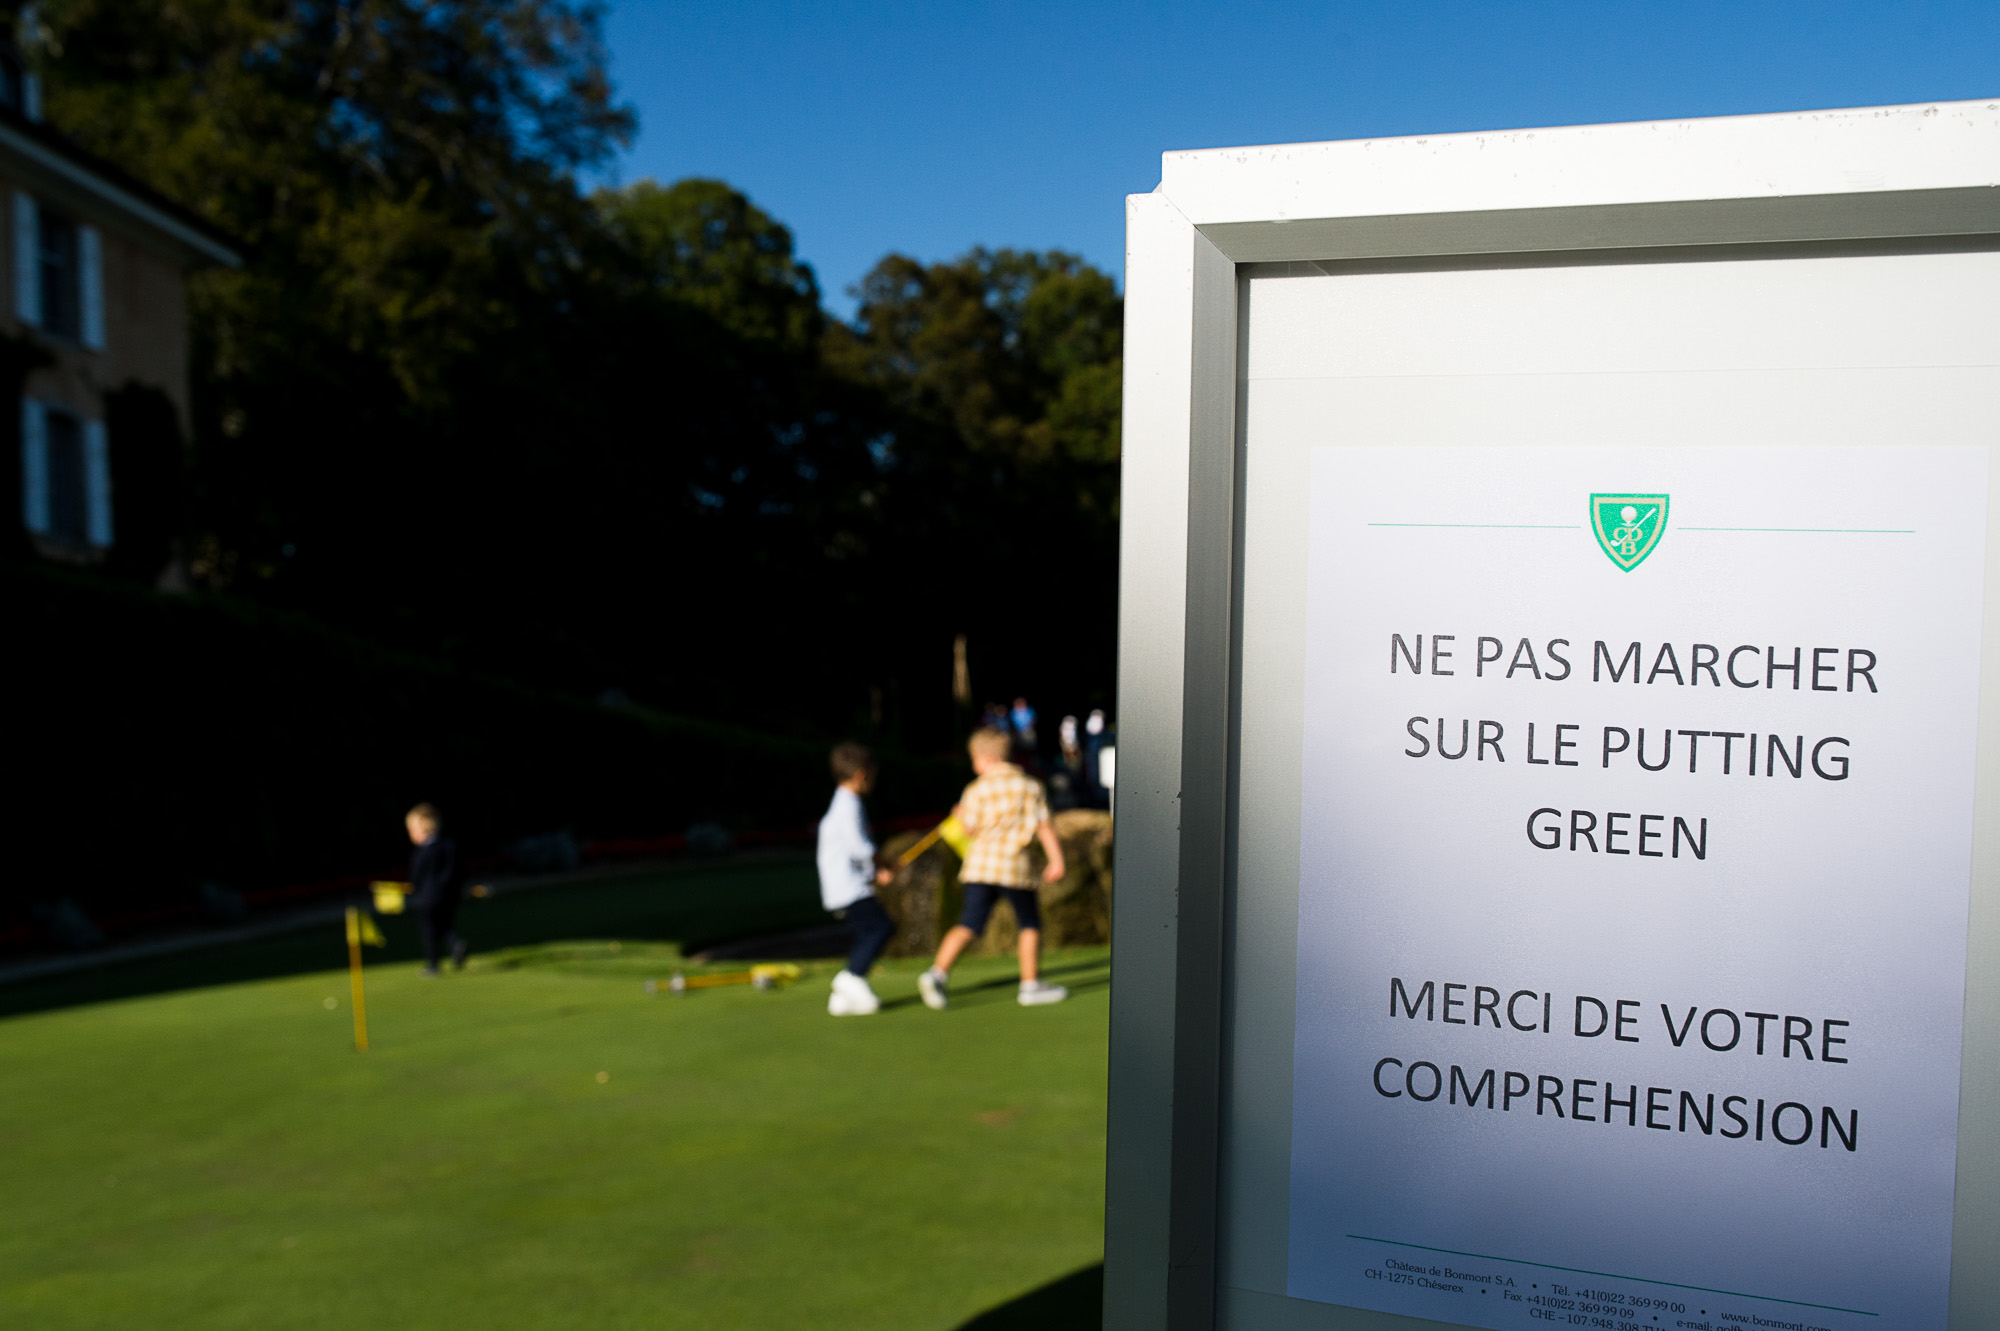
(924, 899)
(1077, 911)
(914, 898)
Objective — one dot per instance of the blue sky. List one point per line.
(930, 128)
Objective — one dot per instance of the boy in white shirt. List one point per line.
(847, 875)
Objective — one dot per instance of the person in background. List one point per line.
(436, 883)
(1002, 811)
(1023, 719)
(1094, 740)
(1065, 781)
(1068, 740)
(848, 878)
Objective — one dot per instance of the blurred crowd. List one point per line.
(1081, 772)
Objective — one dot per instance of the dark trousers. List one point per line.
(434, 927)
(872, 931)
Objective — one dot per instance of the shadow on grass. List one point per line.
(1073, 1303)
(975, 995)
(691, 905)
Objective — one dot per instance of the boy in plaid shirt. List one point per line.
(1003, 810)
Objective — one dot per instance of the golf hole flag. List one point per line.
(361, 929)
(951, 831)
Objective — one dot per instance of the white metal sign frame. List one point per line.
(1888, 180)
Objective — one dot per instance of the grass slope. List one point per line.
(219, 1157)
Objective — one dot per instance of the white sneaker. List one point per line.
(852, 997)
(931, 985)
(1034, 993)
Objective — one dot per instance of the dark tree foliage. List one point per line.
(703, 244)
(596, 442)
(1003, 370)
(148, 458)
(255, 748)
(1014, 351)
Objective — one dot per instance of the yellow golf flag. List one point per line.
(361, 929)
(950, 831)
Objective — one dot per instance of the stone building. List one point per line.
(94, 298)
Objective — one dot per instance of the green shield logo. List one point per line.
(1628, 526)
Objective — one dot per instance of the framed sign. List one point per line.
(1560, 797)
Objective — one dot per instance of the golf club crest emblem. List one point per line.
(1628, 526)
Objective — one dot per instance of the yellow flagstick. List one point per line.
(763, 977)
(354, 980)
(909, 856)
(950, 831)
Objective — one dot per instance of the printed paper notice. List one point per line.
(1634, 879)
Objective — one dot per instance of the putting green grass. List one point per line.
(536, 1142)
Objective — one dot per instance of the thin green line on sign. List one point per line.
(1489, 526)
(1611, 1275)
(1842, 531)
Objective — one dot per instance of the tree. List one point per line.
(1010, 348)
(705, 244)
(401, 175)
(379, 157)
(1003, 370)
(599, 441)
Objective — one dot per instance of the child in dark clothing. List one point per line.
(436, 882)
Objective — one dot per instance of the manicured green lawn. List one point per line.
(538, 1143)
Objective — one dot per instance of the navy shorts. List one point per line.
(979, 899)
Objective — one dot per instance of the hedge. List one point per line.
(164, 741)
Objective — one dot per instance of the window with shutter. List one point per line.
(68, 483)
(13, 78)
(61, 297)
(96, 484)
(90, 287)
(27, 259)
